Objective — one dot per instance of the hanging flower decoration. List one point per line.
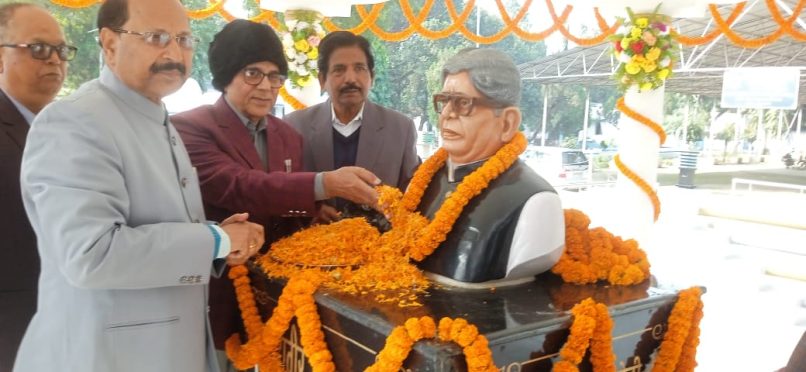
(301, 36)
(646, 51)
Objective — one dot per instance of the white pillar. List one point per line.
(638, 150)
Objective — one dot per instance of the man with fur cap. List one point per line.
(248, 160)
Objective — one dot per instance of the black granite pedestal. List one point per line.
(526, 325)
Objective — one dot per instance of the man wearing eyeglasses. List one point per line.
(514, 229)
(348, 129)
(33, 63)
(115, 203)
(249, 160)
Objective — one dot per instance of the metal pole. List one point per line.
(686, 122)
(545, 114)
(761, 131)
(478, 22)
(797, 140)
(585, 120)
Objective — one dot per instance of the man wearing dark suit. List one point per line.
(33, 62)
(248, 160)
(347, 129)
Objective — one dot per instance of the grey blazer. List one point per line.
(115, 204)
(386, 145)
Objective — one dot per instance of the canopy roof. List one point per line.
(700, 68)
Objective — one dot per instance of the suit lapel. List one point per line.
(239, 136)
(322, 137)
(370, 142)
(275, 146)
(13, 123)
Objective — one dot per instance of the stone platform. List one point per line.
(526, 325)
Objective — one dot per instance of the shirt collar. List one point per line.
(133, 99)
(261, 124)
(457, 172)
(26, 113)
(357, 118)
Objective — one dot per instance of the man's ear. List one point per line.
(109, 45)
(510, 121)
(321, 77)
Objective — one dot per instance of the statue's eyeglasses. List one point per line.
(43, 51)
(461, 104)
(254, 76)
(161, 39)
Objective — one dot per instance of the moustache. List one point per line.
(349, 87)
(155, 68)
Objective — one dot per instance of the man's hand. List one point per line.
(246, 238)
(325, 214)
(352, 183)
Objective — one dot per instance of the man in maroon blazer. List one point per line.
(33, 62)
(248, 160)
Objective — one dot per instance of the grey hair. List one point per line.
(7, 13)
(492, 73)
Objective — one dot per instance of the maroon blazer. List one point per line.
(19, 259)
(233, 180)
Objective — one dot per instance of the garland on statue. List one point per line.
(595, 254)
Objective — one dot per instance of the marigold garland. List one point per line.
(291, 100)
(629, 173)
(678, 349)
(595, 254)
(641, 183)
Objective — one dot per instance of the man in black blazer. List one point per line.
(33, 63)
(348, 129)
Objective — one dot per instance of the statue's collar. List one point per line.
(457, 172)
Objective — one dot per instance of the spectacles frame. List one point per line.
(43, 51)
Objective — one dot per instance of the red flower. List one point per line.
(638, 47)
(618, 46)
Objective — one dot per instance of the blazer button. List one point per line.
(183, 182)
(173, 140)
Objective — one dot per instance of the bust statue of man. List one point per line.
(514, 229)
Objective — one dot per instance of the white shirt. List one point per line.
(349, 128)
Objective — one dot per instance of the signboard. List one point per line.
(761, 87)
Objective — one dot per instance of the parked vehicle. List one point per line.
(560, 166)
(788, 159)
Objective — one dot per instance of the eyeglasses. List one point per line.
(254, 76)
(162, 39)
(43, 51)
(461, 105)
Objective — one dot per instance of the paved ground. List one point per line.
(755, 273)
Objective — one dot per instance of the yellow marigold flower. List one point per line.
(646, 86)
(313, 54)
(302, 45)
(649, 66)
(632, 68)
(625, 43)
(653, 54)
(635, 33)
(664, 73)
(642, 22)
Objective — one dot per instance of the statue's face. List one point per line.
(469, 134)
